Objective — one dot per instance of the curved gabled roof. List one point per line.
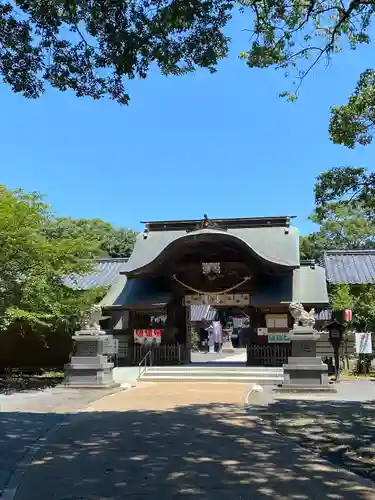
(275, 245)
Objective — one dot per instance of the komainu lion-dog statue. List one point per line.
(301, 317)
(90, 319)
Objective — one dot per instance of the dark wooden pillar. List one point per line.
(188, 334)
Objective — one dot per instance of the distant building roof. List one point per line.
(202, 312)
(354, 267)
(105, 273)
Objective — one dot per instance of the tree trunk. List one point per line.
(337, 364)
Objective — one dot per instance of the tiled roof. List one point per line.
(105, 273)
(139, 293)
(354, 267)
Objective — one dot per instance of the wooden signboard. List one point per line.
(278, 338)
(236, 299)
(277, 320)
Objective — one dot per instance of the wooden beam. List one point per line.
(241, 222)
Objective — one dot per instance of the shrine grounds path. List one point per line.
(174, 441)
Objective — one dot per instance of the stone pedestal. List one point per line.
(305, 372)
(89, 366)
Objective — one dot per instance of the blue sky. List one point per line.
(221, 144)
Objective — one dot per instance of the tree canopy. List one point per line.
(111, 241)
(361, 300)
(33, 265)
(345, 185)
(94, 46)
(343, 226)
(295, 36)
(353, 123)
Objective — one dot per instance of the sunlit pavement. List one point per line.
(235, 358)
(180, 440)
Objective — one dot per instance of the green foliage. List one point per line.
(111, 241)
(353, 123)
(345, 184)
(341, 297)
(361, 299)
(313, 246)
(364, 308)
(94, 46)
(194, 338)
(346, 226)
(343, 226)
(32, 266)
(345, 213)
(295, 35)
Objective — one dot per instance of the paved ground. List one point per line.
(238, 356)
(340, 427)
(176, 441)
(125, 374)
(27, 416)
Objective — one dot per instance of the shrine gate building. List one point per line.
(182, 274)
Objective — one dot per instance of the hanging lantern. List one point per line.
(348, 315)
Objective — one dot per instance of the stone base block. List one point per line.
(292, 388)
(306, 374)
(304, 333)
(114, 385)
(88, 377)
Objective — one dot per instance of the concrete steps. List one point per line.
(214, 373)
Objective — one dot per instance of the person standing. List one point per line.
(217, 335)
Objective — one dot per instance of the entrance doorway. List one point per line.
(234, 325)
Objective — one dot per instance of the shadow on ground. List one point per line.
(203, 452)
(13, 384)
(342, 432)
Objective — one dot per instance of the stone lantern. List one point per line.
(305, 371)
(90, 365)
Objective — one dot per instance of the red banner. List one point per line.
(148, 332)
(147, 335)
